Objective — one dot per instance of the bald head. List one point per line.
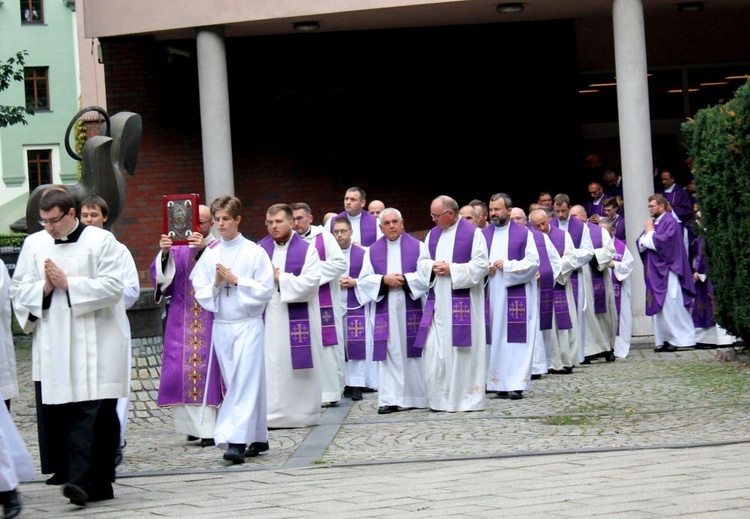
(518, 215)
(539, 220)
(577, 211)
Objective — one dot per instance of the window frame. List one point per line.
(34, 165)
(30, 5)
(38, 82)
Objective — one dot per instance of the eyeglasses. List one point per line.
(438, 216)
(341, 231)
(202, 222)
(51, 221)
(300, 219)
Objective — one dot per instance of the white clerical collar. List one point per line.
(350, 217)
(283, 242)
(670, 188)
(658, 218)
(598, 200)
(232, 242)
(65, 238)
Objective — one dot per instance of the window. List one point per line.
(39, 164)
(32, 11)
(37, 88)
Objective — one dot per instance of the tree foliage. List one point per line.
(12, 70)
(718, 140)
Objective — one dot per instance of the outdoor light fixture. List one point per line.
(306, 26)
(510, 8)
(690, 7)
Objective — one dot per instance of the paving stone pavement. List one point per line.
(617, 415)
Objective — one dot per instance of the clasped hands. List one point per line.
(224, 274)
(54, 277)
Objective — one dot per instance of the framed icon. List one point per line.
(181, 216)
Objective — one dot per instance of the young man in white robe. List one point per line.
(67, 289)
(293, 328)
(513, 297)
(234, 280)
(389, 278)
(452, 330)
(332, 265)
(94, 211)
(8, 372)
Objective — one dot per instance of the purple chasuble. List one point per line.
(597, 276)
(516, 294)
(616, 283)
(559, 298)
(575, 229)
(546, 282)
(299, 318)
(703, 307)
(368, 227)
(670, 255)
(356, 344)
(379, 259)
(187, 339)
(461, 298)
(327, 318)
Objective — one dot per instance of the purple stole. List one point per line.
(616, 283)
(546, 282)
(575, 229)
(187, 339)
(327, 318)
(379, 259)
(368, 227)
(299, 319)
(516, 294)
(597, 276)
(460, 299)
(356, 344)
(703, 307)
(559, 298)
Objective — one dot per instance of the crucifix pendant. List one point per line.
(227, 287)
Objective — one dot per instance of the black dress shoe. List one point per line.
(502, 394)
(11, 504)
(369, 390)
(515, 395)
(536, 376)
(348, 391)
(666, 347)
(235, 453)
(192, 438)
(118, 456)
(387, 409)
(610, 356)
(207, 442)
(255, 448)
(587, 360)
(357, 393)
(56, 479)
(76, 494)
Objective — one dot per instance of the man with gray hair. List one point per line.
(389, 278)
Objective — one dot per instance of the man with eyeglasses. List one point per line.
(361, 373)
(452, 331)
(595, 206)
(67, 290)
(187, 337)
(481, 213)
(333, 264)
(365, 228)
(293, 338)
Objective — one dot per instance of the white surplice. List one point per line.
(622, 271)
(294, 395)
(331, 369)
(130, 291)
(400, 378)
(600, 330)
(80, 345)
(539, 363)
(561, 346)
(455, 375)
(238, 335)
(8, 372)
(509, 367)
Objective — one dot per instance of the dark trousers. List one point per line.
(78, 441)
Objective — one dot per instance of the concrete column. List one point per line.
(635, 140)
(218, 168)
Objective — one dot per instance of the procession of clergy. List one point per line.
(490, 300)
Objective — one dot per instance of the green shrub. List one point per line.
(14, 240)
(718, 140)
